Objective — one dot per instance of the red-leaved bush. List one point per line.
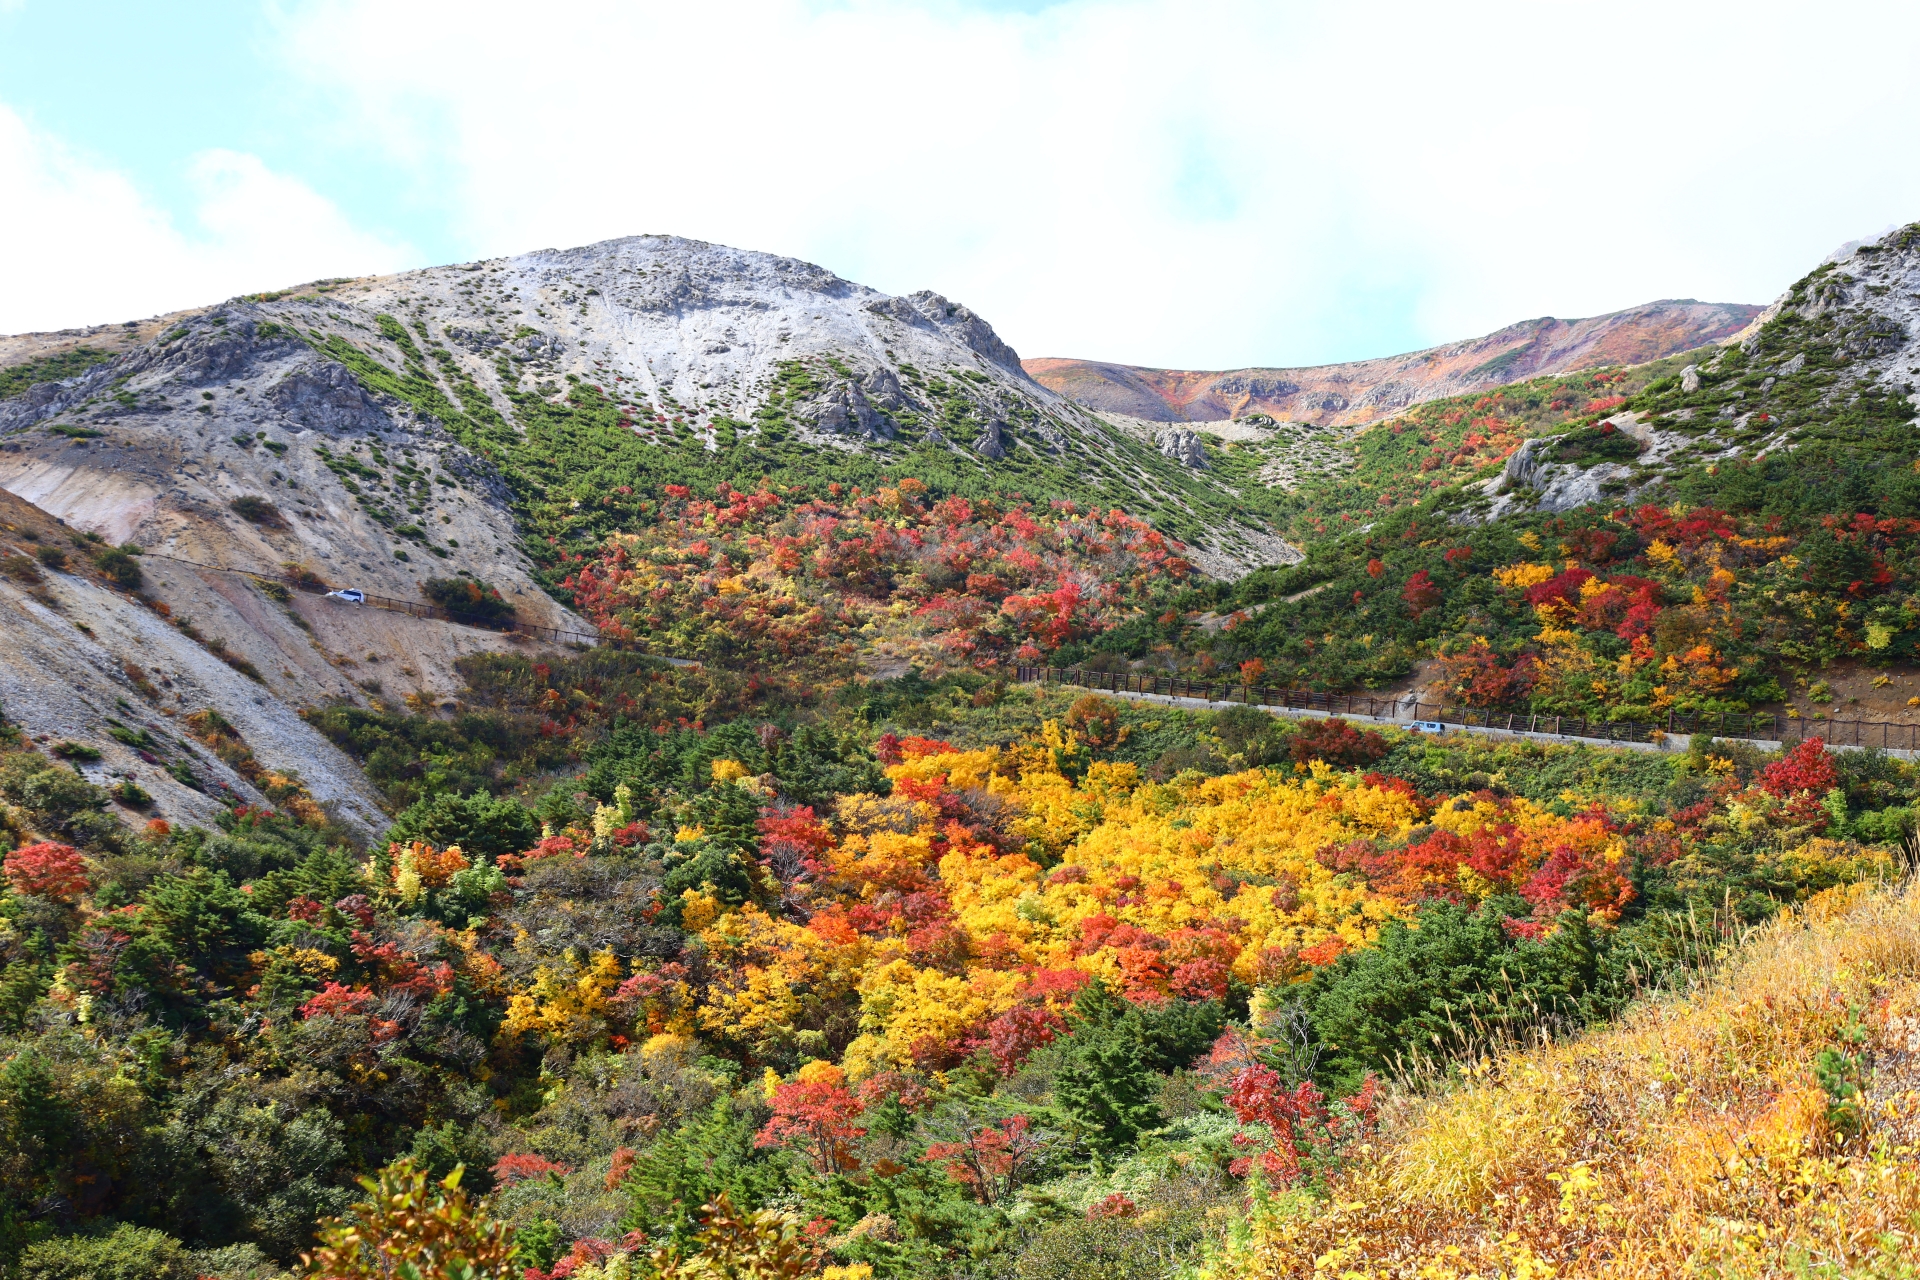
(47, 870)
(815, 1115)
(989, 1158)
(336, 1001)
(521, 1165)
(1421, 593)
(1806, 768)
(1298, 1118)
(1338, 743)
(1014, 1035)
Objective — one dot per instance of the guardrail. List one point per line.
(484, 622)
(1752, 726)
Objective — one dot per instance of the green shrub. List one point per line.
(130, 1253)
(469, 598)
(52, 557)
(481, 825)
(1116, 1248)
(130, 793)
(257, 510)
(1588, 445)
(1456, 983)
(21, 569)
(55, 368)
(117, 565)
(1886, 826)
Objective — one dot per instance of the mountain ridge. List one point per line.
(1358, 392)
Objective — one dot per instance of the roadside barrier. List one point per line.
(484, 622)
(1754, 726)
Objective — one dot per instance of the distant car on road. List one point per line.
(352, 595)
(1428, 726)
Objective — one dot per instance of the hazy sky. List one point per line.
(1195, 183)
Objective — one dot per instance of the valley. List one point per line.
(834, 948)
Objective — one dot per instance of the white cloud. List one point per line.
(85, 246)
(1188, 182)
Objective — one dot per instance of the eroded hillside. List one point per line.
(228, 457)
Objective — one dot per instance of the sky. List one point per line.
(1187, 183)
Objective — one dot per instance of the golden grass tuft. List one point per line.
(1692, 1137)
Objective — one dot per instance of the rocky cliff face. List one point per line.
(231, 453)
(1365, 391)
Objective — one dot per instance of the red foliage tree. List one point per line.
(336, 1001)
(1802, 778)
(1338, 743)
(1421, 593)
(522, 1165)
(1014, 1035)
(815, 1115)
(1298, 1118)
(988, 1158)
(1807, 768)
(47, 870)
(1477, 677)
(1562, 588)
(1203, 979)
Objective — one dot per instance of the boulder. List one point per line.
(1185, 448)
(991, 443)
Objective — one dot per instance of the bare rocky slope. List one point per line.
(1364, 391)
(232, 454)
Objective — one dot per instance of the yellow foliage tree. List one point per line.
(565, 1005)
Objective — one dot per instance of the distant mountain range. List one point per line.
(1362, 391)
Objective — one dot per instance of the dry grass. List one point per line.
(1693, 1137)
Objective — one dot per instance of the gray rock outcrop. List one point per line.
(1185, 448)
(991, 443)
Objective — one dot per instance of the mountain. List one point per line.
(1363, 391)
(1740, 530)
(487, 424)
(299, 896)
(653, 360)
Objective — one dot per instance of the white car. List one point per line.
(352, 595)
(1428, 726)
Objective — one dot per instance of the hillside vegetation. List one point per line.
(840, 953)
(950, 978)
(1763, 1125)
(1703, 543)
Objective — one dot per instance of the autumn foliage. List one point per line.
(47, 870)
(413, 1226)
(788, 581)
